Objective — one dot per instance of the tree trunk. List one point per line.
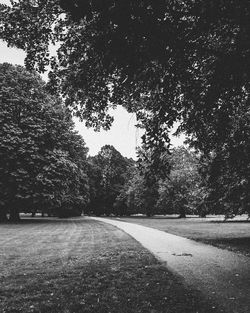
(202, 214)
(3, 216)
(202, 209)
(182, 212)
(14, 215)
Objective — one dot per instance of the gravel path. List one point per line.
(221, 275)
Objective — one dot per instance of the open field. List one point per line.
(78, 265)
(232, 235)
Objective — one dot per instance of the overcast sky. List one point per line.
(123, 135)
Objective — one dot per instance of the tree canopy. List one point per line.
(108, 171)
(166, 60)
(43, 160)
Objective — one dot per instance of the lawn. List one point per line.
(231, 234)
(78, 265)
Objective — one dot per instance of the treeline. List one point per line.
(44, 166)
(189, 183)
(124, 187)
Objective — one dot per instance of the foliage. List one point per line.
(167, 61)
(108, 176)
(182, 192)
(131, 198)
(164, 60)
(178, 188)
(140, 191)
(228, 167)
(42, 158)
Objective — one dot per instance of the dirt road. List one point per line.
(221, 275)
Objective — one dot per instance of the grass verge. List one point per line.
(78, 265)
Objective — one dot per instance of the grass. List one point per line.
(79, 265)
(231, 235)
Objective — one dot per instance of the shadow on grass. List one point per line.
(238, 245)
(152, 217)
(188, 217)
(46, 220)
(230, 221)
(244, 241)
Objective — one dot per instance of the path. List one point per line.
(221, 275)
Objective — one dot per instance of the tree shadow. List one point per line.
(45, 220)
(163, 217)
(153, 217)
(231, 221)
(241, 243)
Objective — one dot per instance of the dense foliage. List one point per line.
(108, 175)
(181, 191)
(227, 168)
(166, 60)
(43, 161)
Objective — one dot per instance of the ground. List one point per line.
(79, 265)
(232, 234)
(222, 276)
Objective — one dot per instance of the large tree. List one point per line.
(165, 60)
(43, 161)
(227, 168)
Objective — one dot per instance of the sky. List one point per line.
(123, 135)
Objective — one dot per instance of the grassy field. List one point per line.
(231, 235)
(79, 265)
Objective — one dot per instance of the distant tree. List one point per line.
(42, 159)
(182, 191)
(153, 166)
(140, 191)
(95, 203)
(110, 170)
(129, 200)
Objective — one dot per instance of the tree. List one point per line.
(42, 159)
(167, 61)
(95, 203)
(138, 197)
(182, 191)
(140, 191)
(227, 167)
(110, 171)
(164, 60)
(130, 198)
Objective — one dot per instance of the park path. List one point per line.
(221, 275)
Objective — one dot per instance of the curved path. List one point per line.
(221, 275)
